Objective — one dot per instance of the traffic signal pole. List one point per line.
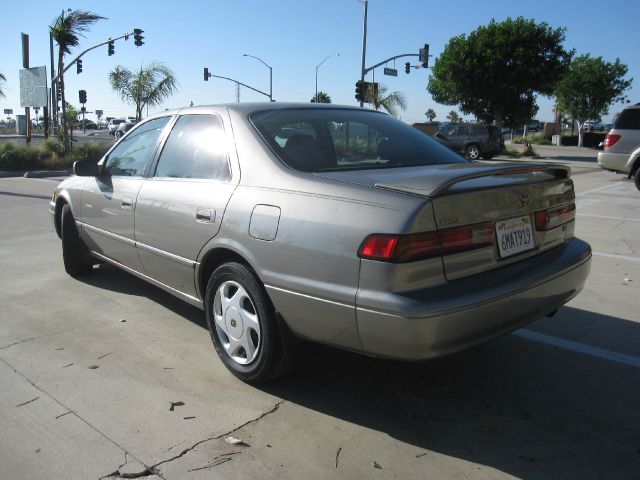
(363, 70)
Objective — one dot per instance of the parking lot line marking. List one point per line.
(619, 257)
(579, 347)
(625, 219)
(599, 189)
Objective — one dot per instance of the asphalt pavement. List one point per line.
(108, 374)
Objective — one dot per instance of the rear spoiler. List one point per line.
(441, 182)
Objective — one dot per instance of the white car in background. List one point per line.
(113, 125)
(622, 145)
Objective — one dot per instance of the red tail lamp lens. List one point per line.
(552, 218)
(611, 139)
(419, 246)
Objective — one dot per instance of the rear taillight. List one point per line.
(554, 217)
(611, 139)
(419, 246)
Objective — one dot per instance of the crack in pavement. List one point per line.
(60, 403)
(218, 437)
(4, 347)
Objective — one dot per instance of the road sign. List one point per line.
(33, 87)
(391, 71)
(8, 111)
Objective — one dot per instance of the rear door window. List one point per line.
(629, 119)
(196, 148)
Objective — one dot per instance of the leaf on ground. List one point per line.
(173, 405)
(375, 464)
(235, 441)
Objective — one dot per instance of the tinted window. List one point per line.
(629, 119)
(130, 156)
(196, 148)
(346, 139)
(479, 130)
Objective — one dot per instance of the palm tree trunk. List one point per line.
(65, 132)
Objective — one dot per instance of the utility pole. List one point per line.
(25, 64)
(237, 92)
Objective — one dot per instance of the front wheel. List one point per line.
(472, 152)
(242, 324)
(636, 178)
(75, 254)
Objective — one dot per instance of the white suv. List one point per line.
(622, 145)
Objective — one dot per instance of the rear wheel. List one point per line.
(242, 324)
(636, 177)
(472, 152)
(75, 254)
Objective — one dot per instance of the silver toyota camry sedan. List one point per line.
(336, 225)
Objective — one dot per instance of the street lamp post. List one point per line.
(365, 4)
(270, 74)
(318, 66)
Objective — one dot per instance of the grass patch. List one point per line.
(48, 156)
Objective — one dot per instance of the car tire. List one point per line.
(75, 254)
(243, 325)
(472, 152)
(636, 178)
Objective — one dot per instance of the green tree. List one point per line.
(590, 87)
(496, 71)
(321, 97)
(391, 102)
(431, 114)
(453, 116)
(149, 86)
(2, 80)
(65, 30)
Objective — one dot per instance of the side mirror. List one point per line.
(85, 168)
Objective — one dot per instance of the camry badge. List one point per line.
(524, 200)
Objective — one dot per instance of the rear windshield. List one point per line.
(314, 140)
(629, 119)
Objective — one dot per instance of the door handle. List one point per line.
(205, 215)
(127, 203)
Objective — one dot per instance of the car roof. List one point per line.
(247, 108)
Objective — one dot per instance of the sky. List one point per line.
(293, 37)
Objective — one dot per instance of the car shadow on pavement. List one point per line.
(523, 408)
(112, 278)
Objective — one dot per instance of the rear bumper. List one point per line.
(460, 314)
(614, 161)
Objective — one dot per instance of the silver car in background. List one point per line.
(622, 145)
(337, 225)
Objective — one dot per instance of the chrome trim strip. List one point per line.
(114, 236)
(187, 298)
(176, 258)
(309, 296)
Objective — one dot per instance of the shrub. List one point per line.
(537, 138)
(49, 155)
(14, 157)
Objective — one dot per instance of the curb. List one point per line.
(36, 173)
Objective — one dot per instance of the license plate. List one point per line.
(514, 236)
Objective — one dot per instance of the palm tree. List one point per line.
(453, 116)
(2, 80)
(390, 102)
(148, 86)
(431, 114)
(321, 97)
(65, 30)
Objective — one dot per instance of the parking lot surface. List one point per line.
(107, 376)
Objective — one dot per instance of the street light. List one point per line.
(318, 66)
(270, 74)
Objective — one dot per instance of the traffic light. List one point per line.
(407, 67)
(111, 48)
(137, 37)
(424, 56)
(360, 90)
(83, 96)
(78, 66)
(206, 74)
